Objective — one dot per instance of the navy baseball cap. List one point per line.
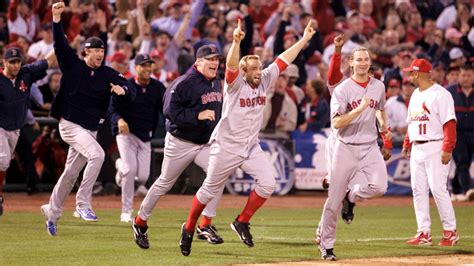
(13, 53)
(94, 42)
(207, 51)
(141, 59)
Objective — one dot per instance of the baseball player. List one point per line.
(133, 126)
(81, 107)
(429, 143)
(353, 111)
(192, 108)
(15, 84)
(234, 142)
(335, 77)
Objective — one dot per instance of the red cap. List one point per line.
(394, 83)
(420, 65)
(118, 57)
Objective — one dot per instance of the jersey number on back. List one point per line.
(422, 129)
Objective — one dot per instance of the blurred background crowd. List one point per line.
(395, 31)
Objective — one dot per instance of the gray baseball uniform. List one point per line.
(356, 146)
(234, 142)
(8, 140)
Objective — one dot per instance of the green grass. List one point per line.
(279, 236)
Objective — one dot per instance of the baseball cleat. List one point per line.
(450, 238)
(126, 217)
(1, 206)
(347, 211)
(51, 227)
(185, 241)
(209, 233)
(141, 235)
(327, 254)
(243, 231)
(421, 239)
(86, 214)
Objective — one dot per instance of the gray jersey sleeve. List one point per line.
(338, 102)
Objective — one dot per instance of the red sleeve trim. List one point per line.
(334, 71)
(449, 129)
(281, 64)
(231, 75)
(387, 143)
(406, 142)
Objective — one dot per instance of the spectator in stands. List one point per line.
(315, 107)
(463, 95)
(50, 89)
(280, 113)
(400, 60)
(438, 73)
(407, 90)
(120, 62)
(21, 20)
(366, 8)
(396, 109)
(452, 75)
(210, 34)
(414, 28)
(457, 57)
(4, 29)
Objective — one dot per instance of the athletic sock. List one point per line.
(205, 221)
(2, 178)
(140, 222)
(254, 202)
(194, 213)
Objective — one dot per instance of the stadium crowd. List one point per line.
(395, 32)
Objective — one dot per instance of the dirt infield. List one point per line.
(15, 202)
(23, 202)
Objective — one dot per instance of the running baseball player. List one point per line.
(133, 126)
(353, 112)
(192, 108)
(234, 142)
(15, 81)
(81, 107)
(429, 143)
(335, 77)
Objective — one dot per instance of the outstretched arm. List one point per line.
(290, 54)
(63, 51)
(232, 62)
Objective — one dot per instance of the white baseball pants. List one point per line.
(83, 149)
(136, 157)
(427, 172)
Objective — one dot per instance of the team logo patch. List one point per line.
(23, 86)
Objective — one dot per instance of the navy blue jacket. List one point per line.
(143, 113)
(14, 97)
(464, 107)
(186, 97)
(84, 94)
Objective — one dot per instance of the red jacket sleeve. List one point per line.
(449, 142)
(334, 71)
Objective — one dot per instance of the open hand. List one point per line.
(117, 89)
